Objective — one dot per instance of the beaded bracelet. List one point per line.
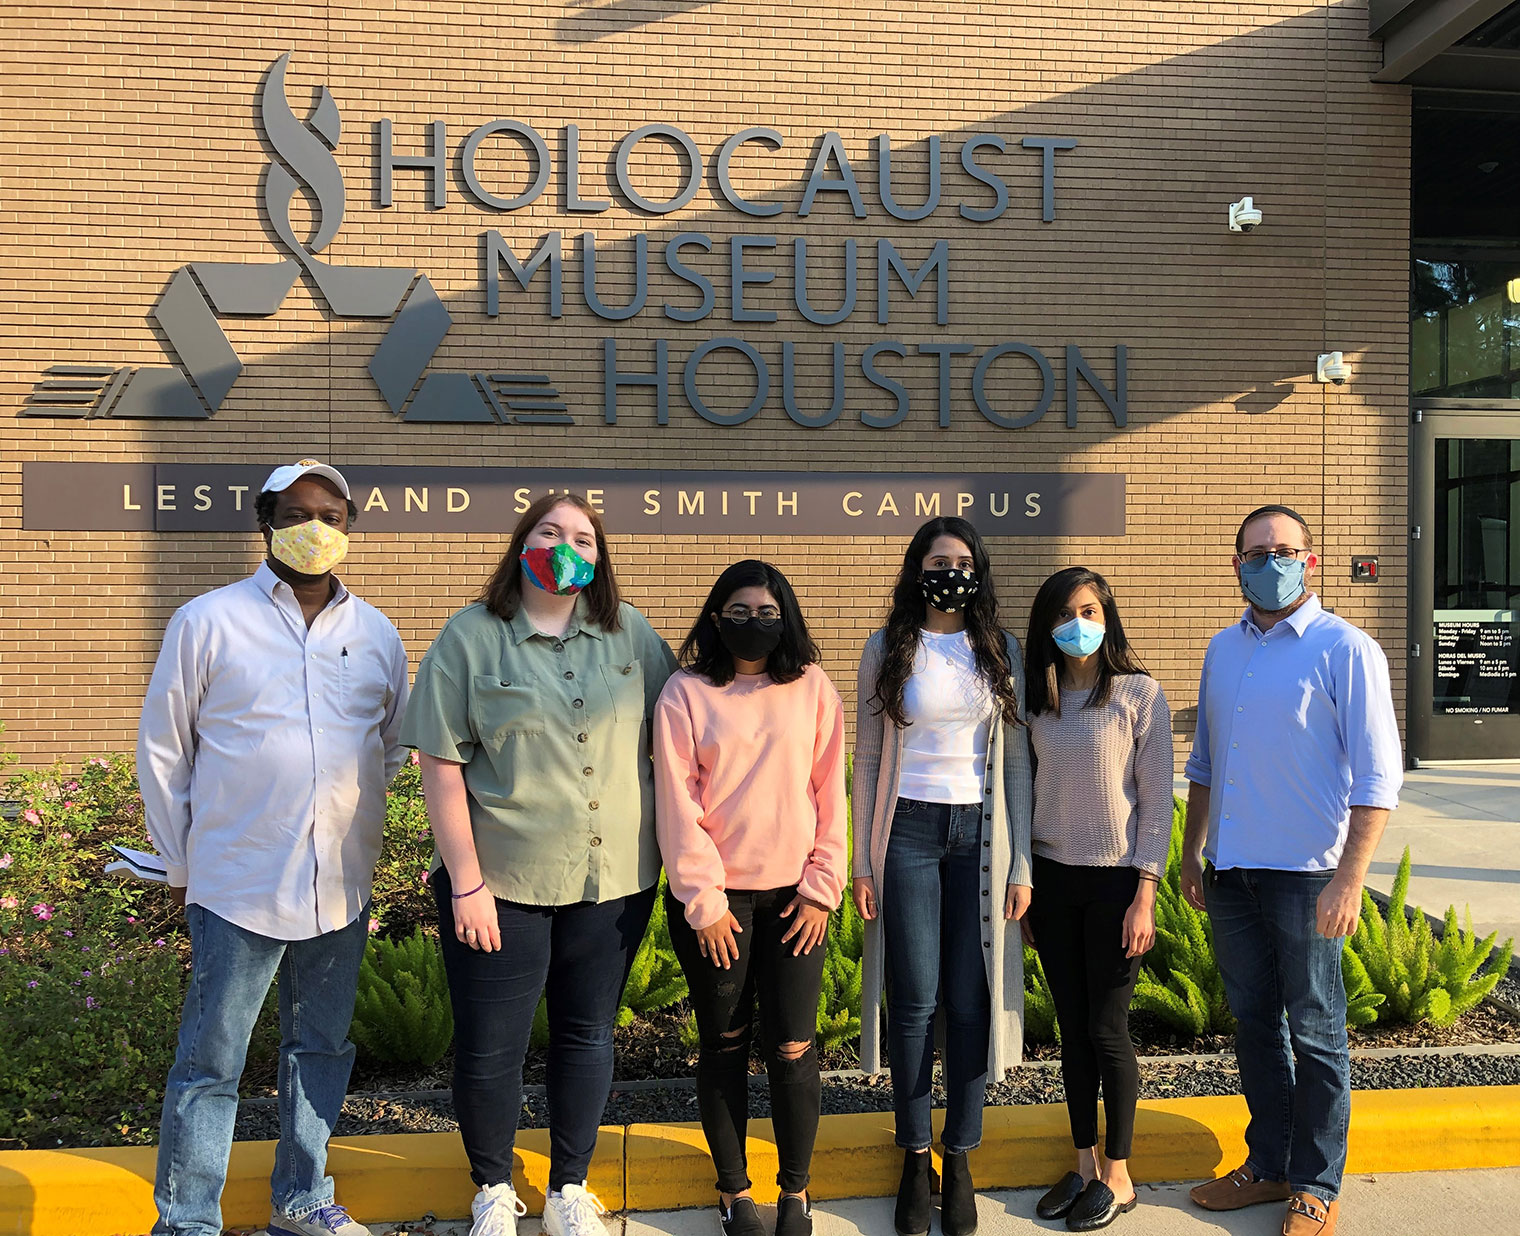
(471, 893)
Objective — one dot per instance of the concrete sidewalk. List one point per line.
(1416, 1203)
(1462, 827)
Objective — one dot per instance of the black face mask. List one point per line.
(951, 590)
(749, 641)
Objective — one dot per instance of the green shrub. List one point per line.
(1040, 1025)
(839, 998)
(1362, 998)
(87, 1038)
(656, 980)
(402, 1013)
(1180, 981)
(1423, 979)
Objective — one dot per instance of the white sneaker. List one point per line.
(329, 1220)
(574, 1211)
(496, 1209)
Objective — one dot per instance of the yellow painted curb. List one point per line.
(110, 1192)
(664, 1167)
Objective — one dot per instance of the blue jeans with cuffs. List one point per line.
(230, 972)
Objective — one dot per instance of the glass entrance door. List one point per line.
(1465, 626)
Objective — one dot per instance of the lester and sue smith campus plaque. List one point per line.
(66, 497)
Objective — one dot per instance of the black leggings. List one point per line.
(724, 1001)
(1077, 916)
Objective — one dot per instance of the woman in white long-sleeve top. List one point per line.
(941, 863)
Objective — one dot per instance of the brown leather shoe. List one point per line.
(1310, 1216)
(1239, 1189)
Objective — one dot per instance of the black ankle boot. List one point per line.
(957, 1207)
(919, 1183)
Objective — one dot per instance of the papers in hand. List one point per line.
(139, 864)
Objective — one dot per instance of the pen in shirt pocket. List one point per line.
(345, 658)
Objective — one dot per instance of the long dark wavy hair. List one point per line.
(703, 651)
(1043, 661)
(909, 609)
(502, 594)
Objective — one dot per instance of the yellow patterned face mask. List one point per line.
(312, 548)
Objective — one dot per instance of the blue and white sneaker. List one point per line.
(330, 1220)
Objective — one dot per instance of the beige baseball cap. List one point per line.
(284, 477)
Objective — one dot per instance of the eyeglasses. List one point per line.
(766, 616)
(1253, 556)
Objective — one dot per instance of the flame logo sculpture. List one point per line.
(201, 292)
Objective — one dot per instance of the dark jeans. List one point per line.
(578, 956)
(1077, 917)
(786, 988)
(931, 906)
(1283, 981)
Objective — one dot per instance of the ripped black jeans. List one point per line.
(786, 989)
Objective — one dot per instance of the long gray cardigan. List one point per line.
(1009, 795)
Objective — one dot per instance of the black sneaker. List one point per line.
(741, 1219)
(794, 1216)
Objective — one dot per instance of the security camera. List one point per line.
(1243, 215)
(1332, 367)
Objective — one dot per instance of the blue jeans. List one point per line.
(931, 906)
(1283, 981)
(230, 973)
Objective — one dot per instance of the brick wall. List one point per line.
(135, 149)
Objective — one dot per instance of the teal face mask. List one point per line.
(1079, 637)
(1272, 584)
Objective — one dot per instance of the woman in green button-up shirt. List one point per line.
(531, 712)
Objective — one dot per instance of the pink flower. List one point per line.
(42, 911)
(70, 788)
(374, 925)
(65, 836)
(8, 903)
(68, 804)
(426, 832)
(131, 919)
(415, 758)
(31, 817)
(6, 860)
(97, 762)
(158, 943)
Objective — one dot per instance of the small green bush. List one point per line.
(839, 998)
(87, 1038)
(1180, 982)
(1423, 979)
(1040, 1025)
(402, 1013)
(655, 980)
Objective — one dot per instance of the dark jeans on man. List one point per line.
(1283, 981)
(786, 988)
(1077, 917)
(578, 957)
(932, 907)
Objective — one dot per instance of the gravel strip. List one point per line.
(433, 1111)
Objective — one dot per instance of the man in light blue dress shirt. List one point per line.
(270, 730)
(1295, 767)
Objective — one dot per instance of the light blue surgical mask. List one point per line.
(1079, 637)
(1273, 583)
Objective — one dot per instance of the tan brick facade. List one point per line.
(132, 148)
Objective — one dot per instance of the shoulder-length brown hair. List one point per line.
(502, 594)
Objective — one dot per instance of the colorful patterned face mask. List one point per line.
(312, 548)
(559, 569)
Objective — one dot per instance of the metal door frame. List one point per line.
(1446, 418)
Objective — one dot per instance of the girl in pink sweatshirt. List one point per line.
(750, 813)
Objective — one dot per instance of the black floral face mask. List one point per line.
(950, 591)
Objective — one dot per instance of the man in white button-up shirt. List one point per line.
(267, 739)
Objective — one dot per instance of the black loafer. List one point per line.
(1097, 1207)
(1061, 1197)
(741, 1219)
(794, 1216)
